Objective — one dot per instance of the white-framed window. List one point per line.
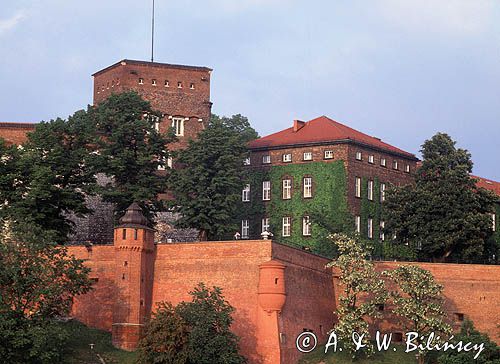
(369, 227)
(287, 189)
(306, 226)
(328, 154)
(383, 162)
(246, 161)
(191, 86)
(308, 156)
(357, 187)
(357, 224)
(287, 157)
(141, 81)
(407, 168)
(245, 229)
(167, 84)
(179, 84)
(245, 194)
(382, 192)
(165, 163)
(266, 159)
(286, 226)
(153, 82)
(370, 190)
(395, 164)
(265, 224)
(359, 156)
(308, 184)
(382, 234)
(371, 159)
(494, 222)
(178, 125)
(266, 190)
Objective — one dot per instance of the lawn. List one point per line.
(79, 351)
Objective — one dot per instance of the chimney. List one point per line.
(297, 125)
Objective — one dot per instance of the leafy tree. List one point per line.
(239, 124)
(209, 317)
(444, 215)
(418, 301)
(38, 280)
(208, 183)
(363, 290)
(165, 339)
(489, 355)
(129, 151)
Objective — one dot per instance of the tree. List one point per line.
(208, 183)
(165, 339)
(363, 290)
(489, 355)
(418, 301)
(47, 178)
(209, 317)
(130, 150)
(444, 215)
(239, 124)
(38, 280)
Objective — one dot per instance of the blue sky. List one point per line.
(396, 69)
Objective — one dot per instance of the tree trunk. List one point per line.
(202, 235)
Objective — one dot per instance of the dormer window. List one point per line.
(141, 81)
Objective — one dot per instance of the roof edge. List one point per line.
(15, 125)
(154, 64)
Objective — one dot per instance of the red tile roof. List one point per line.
(488, 184)
(320, 130)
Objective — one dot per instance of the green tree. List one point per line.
(239, 124)
(418, 301)
(209, 317)
(129, 152)
(363, 290)
(208, 183)
(489, 355)
(165, 339)
(38, 280)
(443, 215)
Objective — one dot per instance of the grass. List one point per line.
(388, 357)
(79, 352)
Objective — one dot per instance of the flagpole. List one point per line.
(153, 32)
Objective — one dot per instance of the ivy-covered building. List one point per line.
(317, 176)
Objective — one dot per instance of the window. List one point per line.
(141, 81)
(191, 86)
(383, 162)
(124, 234)
(407, 168)
(287, 189)
(246, 161)
(167, 84)
(370, 190)
(136, 234)
(357, 224)
(371, 159)
(308, 156)
(266, 159)
(328, 154)
(265, 224)
(165, 162)
(382, 192)
(458, 316)
(306, 226)
(359, 156)
(266, 190)
(169, 162)
(307, 187)
(494, 224)
(394, 164)
(286, 226)
(245, 194)
(287, 157)
(178, 125)
(357, 187)
(153, 82)
(179, 84)
(370, 228)
(382, 226)
(245, 229)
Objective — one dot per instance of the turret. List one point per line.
(272, 294)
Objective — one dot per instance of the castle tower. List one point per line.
(134, 262)
(272, 298)
(181, 93)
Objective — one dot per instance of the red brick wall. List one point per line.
(15, 133)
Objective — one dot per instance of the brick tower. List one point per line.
(134, 262)
(181, 93)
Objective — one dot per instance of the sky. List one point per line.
(400, 70)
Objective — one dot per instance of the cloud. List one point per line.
(9, 23)
(453, 17)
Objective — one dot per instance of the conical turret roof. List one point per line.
(133, 217)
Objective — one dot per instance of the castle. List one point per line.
(279, 287)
